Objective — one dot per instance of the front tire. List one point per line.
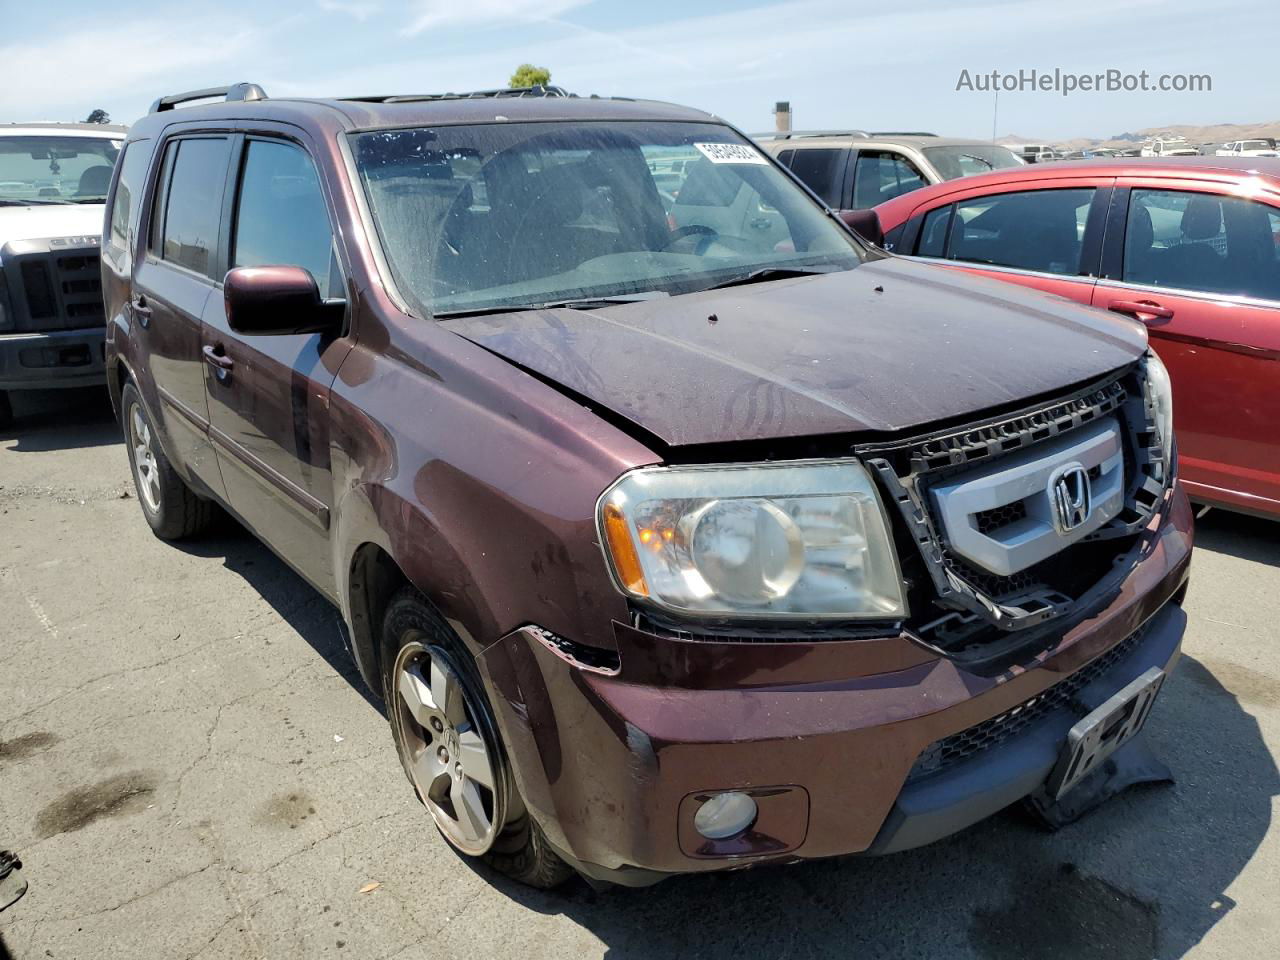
(450, 747)
(6, 410)
(172, 510)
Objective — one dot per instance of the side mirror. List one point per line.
(866, 224)
(273, 301)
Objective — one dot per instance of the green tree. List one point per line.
(98, 116)
(527, 75)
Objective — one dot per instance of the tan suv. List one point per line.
(856, 170)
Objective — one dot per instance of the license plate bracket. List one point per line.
(1103, 731)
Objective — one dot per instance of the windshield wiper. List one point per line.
(770, 273)
(577, 303)
(34, 201)
(983, 160)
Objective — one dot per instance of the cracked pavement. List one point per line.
(190, 767)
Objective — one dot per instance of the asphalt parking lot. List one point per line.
(189, 767)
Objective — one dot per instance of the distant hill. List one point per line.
(1214, 133)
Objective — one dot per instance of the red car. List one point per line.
(1188, 246)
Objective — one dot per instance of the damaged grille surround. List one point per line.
(975, 600)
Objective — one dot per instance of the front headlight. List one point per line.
(1159, 390)
(806, 539)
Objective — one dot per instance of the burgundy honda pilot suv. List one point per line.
(670, 548)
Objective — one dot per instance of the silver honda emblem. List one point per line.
(1070, 496)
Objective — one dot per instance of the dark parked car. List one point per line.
(1189, 246)
(670, 549)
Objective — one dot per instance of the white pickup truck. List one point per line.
(53, 187)
(1168, 147)
(1248, 148)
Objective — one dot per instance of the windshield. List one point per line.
(962, 161)
(515, 214)
(50, 169)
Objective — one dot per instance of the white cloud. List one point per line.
(101, 67)
(362, 11)
(455, 13)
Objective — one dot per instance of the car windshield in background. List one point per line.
(56, 169)
(506, 215)
(963, 161)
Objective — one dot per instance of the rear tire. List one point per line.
(172, 510)
(439, 712)
(6, 410)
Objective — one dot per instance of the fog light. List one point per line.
(725, 815)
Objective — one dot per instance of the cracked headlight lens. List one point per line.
(1159, 390)
(805, 539)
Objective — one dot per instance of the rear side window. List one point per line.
(821, 171)
(1040, 230)
(133, 169)
(281, 218)
(1203, 242)
(933, 234)
(187, 233)
(881, 175)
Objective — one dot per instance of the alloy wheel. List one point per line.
(444, 750)
(146, 469)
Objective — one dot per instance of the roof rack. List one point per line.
(902, 133)
(799, 134)
(237, 91)
(500, 93)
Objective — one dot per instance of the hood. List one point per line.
(888, 346)
(41, 221)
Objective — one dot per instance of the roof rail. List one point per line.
(500, 93)
(798, 134)
(902, 133)
(237, 91)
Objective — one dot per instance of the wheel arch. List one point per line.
(375, 565)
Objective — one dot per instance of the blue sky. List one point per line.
(840, 63)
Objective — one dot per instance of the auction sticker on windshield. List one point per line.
(730, 153)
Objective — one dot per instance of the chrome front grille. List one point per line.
(53, 286)
(1022, 484)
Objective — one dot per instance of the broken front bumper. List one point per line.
(827, 736)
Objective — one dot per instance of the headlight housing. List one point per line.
(799, 540)
(1159, 395)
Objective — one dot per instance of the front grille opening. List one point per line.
(997, 518)
(39, 289)
(86, 311)
(88, 285)
(969, 743)
(73, 264)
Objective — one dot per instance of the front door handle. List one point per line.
(1148, 311)
(221, 363)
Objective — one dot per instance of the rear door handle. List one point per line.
(1147, 311)
(221, 363)
(140, 310)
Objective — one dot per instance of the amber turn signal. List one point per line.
(623, 551)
